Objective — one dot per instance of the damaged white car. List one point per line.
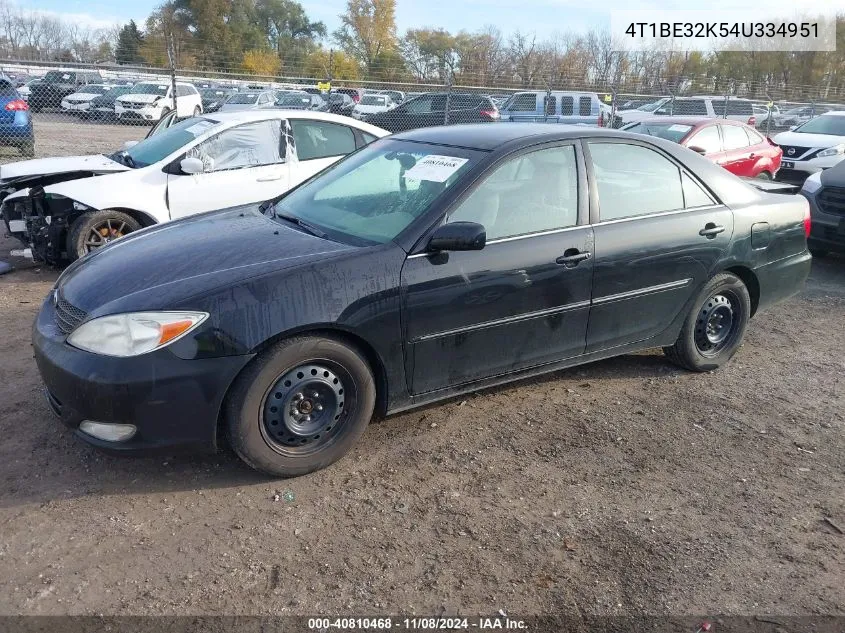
(62, 208)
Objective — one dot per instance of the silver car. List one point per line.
(249, 100)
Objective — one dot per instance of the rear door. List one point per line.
(524, 299)
(738, 152)
(243, 164)
(658, 234)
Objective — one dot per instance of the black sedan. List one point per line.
(428, 264)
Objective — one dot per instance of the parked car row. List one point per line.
(427, 264)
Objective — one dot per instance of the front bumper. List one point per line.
(69, 107)
(174, 403)
(138, 114)
(797, 171)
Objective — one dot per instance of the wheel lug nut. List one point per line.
(319, 407)
(298, 396)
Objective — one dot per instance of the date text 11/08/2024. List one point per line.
(416, 624)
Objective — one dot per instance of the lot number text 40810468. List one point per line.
(323, 625)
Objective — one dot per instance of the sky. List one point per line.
(543, 17)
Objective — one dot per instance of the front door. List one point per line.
(319, 144)
(242, 164)
(658, 235)
(523, 300)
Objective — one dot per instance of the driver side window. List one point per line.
(244, 146)
(531, 193)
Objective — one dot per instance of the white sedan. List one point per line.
(372, 104)
(196, 165)
(80, 101)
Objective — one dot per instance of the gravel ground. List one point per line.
(58, 134)
(622, 487)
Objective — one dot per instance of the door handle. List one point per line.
(711, 230)
(572, 257)
(268, 178)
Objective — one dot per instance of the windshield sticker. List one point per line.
(65, 76)
(435, 168)
(679, 128)
(199, 127)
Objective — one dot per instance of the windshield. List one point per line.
(372, 196)
(117, 91)
(834, 125)
(294, 100)
(373, 100)
(93, 90)
(161, 145)
(671, 132)
(243, 97)
(149, 89)
(651, 107)
(57, 77)
(213, 93)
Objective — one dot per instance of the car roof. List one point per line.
(834, 113)
(247, 116)
(688, 120)
(490, 136)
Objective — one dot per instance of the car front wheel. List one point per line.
(715, 327)
(94, 229)
(300, 405)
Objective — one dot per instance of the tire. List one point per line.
(116, 223)
(284, 441)
(724, 298)
(764, 175)
(28, 149)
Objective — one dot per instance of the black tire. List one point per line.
(819, 252)
(248, 416)
(28, 150)
(764, 175)
(724, 298)
(79, 237)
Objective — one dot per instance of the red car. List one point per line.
(737, 147)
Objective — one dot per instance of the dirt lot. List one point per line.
(57, 134)
(622, 487)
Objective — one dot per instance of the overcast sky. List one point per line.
(542, 17)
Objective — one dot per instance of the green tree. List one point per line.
(288, 30)
(129, 42)
(368, 30)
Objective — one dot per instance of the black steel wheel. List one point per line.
(714, 328)
(95, 229)
(306, 407)
(300, 405)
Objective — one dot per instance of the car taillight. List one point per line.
(493, 115)
(808, 221)
(17, 105)
(356, 98)
(752, 121)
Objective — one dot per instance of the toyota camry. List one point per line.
(428, 264)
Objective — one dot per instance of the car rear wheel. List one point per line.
(300, 405)
(764, 175)
(715, 327)
(95, 229)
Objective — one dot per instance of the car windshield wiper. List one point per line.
(310, 228)
(124, 158)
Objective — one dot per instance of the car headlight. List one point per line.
(813, 183)
(135, 333)
(836, 150)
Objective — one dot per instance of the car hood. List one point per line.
(80, 165)
(138, 98)
(808, 140)
(163, 266)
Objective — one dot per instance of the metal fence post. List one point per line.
(448, 95)
(171, 56)
(769, 105)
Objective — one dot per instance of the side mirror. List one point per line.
(698, 150)
(129, 144)
(458, 236)
(191, 166)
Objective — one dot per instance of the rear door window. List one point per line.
(633, 180)
(524, 102)
(585, 106)
(734, 137)
(320, 139)
(567, 106)
(707, 139)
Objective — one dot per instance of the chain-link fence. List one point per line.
(55, 110)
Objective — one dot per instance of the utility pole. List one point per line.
(331, 69)
(171, 56)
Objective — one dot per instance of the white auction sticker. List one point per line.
(679, 128)
(435, 168)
